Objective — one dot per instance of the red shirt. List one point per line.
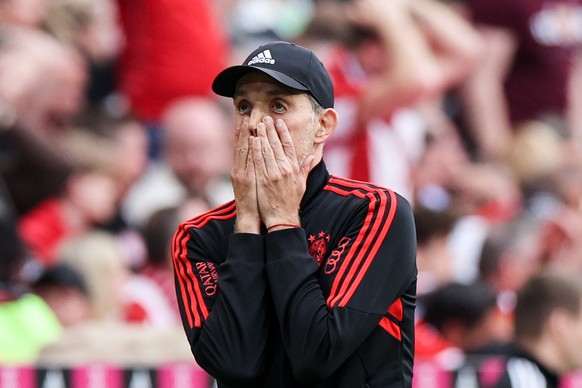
(42, 229)
(165, 279)
(383, 149)
(547, 32)
(173, 49)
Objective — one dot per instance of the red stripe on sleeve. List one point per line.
(342, 270)
(374, 229)
(222, 213)
(199, 300)
(183, 281)
(196, 310)
(354, 257)
(379, 236)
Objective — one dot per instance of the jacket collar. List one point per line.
(316, 180)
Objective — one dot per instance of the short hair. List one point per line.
(430, 223)
(61, 275)
(511, 236)
(315, 105)
(157, 233)
(467, 304)
(540, 296)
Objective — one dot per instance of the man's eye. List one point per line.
(278, 107)
(244, 108)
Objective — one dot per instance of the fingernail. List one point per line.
(278, 122)
(267, 119)
(261, 126)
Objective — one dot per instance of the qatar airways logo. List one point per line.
(208, 277)
(264, 57)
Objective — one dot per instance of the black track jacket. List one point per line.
(329, 304)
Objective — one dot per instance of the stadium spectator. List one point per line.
(195, 161)
(115, 291)
(130, 322)
(397, 55)
(157, 233)
(510, 254)
(21, 335)
(32, 165)
(467, 316)
(87, 199)
(433, 257)
(167, 56)
(548, 331)
(527, 71)
(65, 291)
(91, 27)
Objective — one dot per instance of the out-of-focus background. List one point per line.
(110, 136)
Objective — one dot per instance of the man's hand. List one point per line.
(244, 183)
(281, 181)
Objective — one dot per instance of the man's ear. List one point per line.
(328, 120)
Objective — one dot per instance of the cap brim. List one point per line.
(225, 82)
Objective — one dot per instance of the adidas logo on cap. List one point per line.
(264, 57)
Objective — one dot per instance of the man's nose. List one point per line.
(256, 117)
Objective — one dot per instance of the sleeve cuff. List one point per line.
(285, 243)
(247, 248)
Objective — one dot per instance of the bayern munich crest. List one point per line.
(318, 246)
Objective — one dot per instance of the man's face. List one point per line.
(197, 144)
(257, 95)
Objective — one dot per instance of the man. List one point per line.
(305, 279)
(21, 338)
(199, 159)
(194, 165)
(467, 316)
(530, 70)
(548, 331)
(167, 57)
(393, 64)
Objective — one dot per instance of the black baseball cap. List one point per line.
(62, 275)
(290, 64)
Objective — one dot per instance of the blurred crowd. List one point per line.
(110, 136)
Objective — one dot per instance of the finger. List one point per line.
(241, 145)
(243, 177)
(274, 141)
(256, 155)
(286, 141)
(250, 164)
(269, 159)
